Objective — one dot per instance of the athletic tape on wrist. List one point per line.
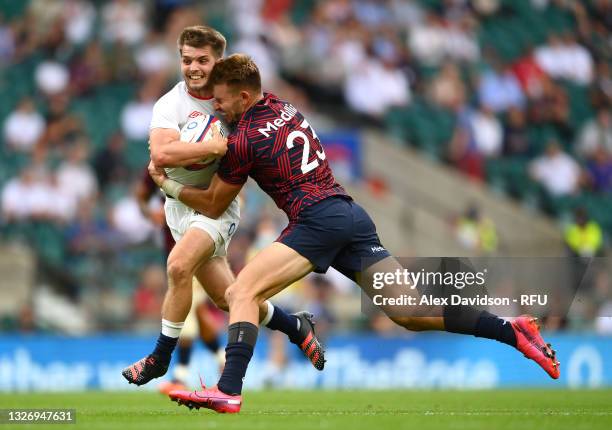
(172, 188)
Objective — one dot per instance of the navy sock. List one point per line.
(469, 320)
(241, 340)
(286, 323)
(213, 345)
(184, 353)
(461, 319)
(164, 347)
(493, 327)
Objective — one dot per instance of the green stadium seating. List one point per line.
(136, 154)
(423, 125)
(13, 8)
(511, 176)
(580, 105)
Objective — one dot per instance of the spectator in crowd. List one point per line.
(109, 164)
(563, 58)
(476, 232)
(35, 196)
(88, 70)
(556, 171)
(550, 106)
(462, 42)
(25, 40)
(262, 52)
(89, 234)
(48, 33)
(7, 41)
(148, 297)
(124, 21)
(78, 17)
(122, 65)
(601, 91)
(487, 132)
(447, 89)
(52, 77)
(478, 135)
(427, 40)
(596, 134)
(17, 196)
(136, 115)
(486, 7)
(599, 171)
(76, 178)
(462, 150)
(498, 89)
(61, 204)
(24, 127)
(516, 136)
(583, 237)
(529, 74)
(376, 86)
(579, 62)
(62, 125)
(155, 56)
(129, 222)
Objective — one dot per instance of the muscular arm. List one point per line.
(168, 151)
(211, 202)
(214, 200)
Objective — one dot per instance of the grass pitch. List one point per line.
(345, 410)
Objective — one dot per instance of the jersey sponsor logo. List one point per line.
(378, 249)
(195, 114)
(286, 114)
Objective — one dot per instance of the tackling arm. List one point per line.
(214, 200)
(167, 150)
(211, 202)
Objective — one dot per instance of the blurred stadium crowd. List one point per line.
(516, 93)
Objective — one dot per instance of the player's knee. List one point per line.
(409, 323)
(179, 272)
(237, 293)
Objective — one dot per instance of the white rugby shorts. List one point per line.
(180, 218)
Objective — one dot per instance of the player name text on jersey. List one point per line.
(286, 114)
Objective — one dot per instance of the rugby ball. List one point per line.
(199, 129)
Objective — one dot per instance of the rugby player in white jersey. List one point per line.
(201, 242)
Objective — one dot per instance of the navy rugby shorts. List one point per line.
(335, 232)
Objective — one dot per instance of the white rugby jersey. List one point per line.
(172, 110)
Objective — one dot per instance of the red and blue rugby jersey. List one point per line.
(275, 145)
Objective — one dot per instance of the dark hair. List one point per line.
(200, 36)
(237, 70)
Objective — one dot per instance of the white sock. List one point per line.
(171, 329)
(268, 317)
